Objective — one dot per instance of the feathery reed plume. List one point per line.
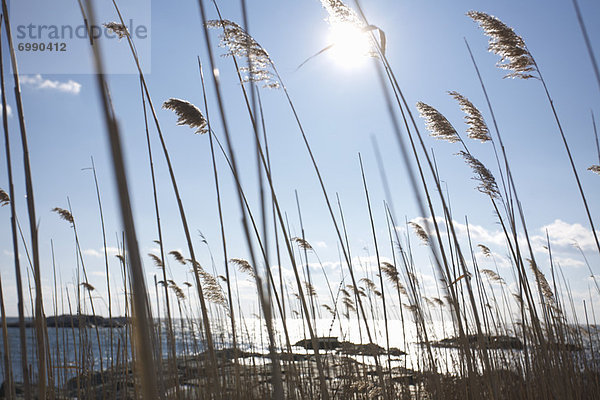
(347, 302)
(340, 13)
(4, 198)
(420, 232)
(187, 284)
(487, 182)
(410, 307)
(178, 292)
(493, 276)
(542, 281)
(359, 291)
(328, 308)
(429, 302)
(64, 214)
(369, 284)
(477, 129)
(119, 29)
(87, 286)
(310, 289)
(391, 272)
(437, 124)
(438, 301)
(187, 113)
(485, 250)
(156, 259)
(240, 44)
(178, 256)
(243, 265)
(504, 42)
(303, 244)
(519, 298)
(595, 169)
(213, 291)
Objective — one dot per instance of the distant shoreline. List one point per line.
(75, 321)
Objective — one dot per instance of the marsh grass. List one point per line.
(501, 337)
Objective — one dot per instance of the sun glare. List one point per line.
(351, 45)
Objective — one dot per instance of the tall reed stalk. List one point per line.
(40, 323)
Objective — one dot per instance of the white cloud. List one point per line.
(91, 252)
(568, 262)
(38, 82)
(478, 233)
(564, 234)
(112, 250)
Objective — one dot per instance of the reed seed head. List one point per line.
(511, 47)
(493, 276)
(156, 260)
(178, 256)
(437, 124)
(64, 214)
(188, 114)
(391, 272)
(178, 292)
(339, 12)
(244, 266)
(303, 244)
(477, 129)
(87, 286)
(595, 169)
(369, 284)
(241, 45)
(420, 232)
(119, 29)
(4, 198)
(542, 282)
(487, 182)
(485, 250)
(310, 289)
(212, 290)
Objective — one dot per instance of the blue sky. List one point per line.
(341, 109)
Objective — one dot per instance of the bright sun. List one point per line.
(351, 45)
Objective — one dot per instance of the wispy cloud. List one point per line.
(8, 109)
(38, 82)
(565, 234)
(91, 252)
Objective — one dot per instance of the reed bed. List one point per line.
(377, 330)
